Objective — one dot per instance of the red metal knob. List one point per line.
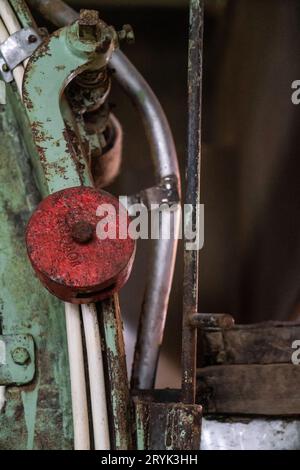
(65, 249)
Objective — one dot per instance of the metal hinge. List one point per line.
(17, 48)
(17, 359)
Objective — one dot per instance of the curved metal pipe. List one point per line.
(164, 157)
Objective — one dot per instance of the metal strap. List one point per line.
(17, 48)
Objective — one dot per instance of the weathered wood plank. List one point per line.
(250, 389)
(266, 343)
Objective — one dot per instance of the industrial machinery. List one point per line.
(63, 375)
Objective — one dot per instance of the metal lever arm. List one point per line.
(61, 57)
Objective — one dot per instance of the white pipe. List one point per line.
(77, 374)
(7, 27)
(3, 32)
(9, 18)
(2, 397)
(96, 377)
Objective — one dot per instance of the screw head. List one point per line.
(82, 232)
(32, 39)
(5, 68)
(20, 356)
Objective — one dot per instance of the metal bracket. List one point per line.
(17, 48)
(165, 193)
(17, 359)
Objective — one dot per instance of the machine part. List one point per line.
(126, 34)
(105, 164)
(18, 47)
(17, 360)
(191, 257)
(115, 368)
(23, 13)
(164, 193)
(118, 396)
(5, 72)
(164, 157)
(10, 25)
(67, 54)
(66, 251)
(168, 426)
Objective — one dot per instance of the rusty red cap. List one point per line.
(65, 249)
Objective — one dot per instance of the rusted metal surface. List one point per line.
(212, 320)
(191, 258)
(66, 251)
(68, 55)
(119, 402)
(168, 426)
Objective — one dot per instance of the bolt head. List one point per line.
(82, 232)
(20, 356)
(32, 39)
(88, 24)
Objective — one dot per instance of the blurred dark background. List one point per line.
(250, 166)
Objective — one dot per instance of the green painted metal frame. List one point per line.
(38, 415)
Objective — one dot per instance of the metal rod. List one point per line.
(191, 258)
(117, 388)
(55, 11)
(164, 157)
(23, 13)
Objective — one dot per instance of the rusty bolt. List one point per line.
(32, 39)
(126, 34)
(82, 232)
(88, 24)
(20, 356)
(5, 68)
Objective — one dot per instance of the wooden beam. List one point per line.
(266, 343)
(250, 389)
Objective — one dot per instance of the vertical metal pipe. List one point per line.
(191, 258)
(23, 13)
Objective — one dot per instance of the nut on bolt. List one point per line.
(20, 356)
(89, 23)
(126, 34)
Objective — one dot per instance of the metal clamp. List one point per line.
(17, 48)
(17, 359)
(166, 193)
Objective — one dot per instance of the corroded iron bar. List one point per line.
(191, 258)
